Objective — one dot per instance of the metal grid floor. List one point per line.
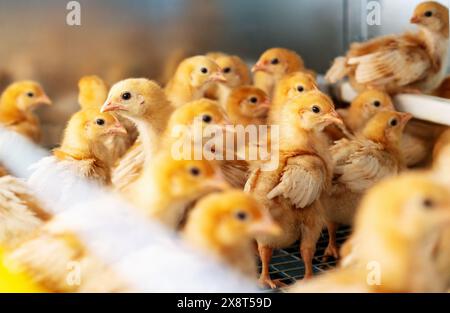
(288, 267)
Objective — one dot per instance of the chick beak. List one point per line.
(415, 20)
(405, 118)
(117, 129)
(109, 106)
(266, 226)
(263, 108)
(217, 77)
(259, 66)
(217, 182)
(43, 100)
(334, 118)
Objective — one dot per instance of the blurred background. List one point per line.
(118, 39)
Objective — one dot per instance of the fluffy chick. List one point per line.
(360, 163)
(441, 143)
(225, 225)
(235, 71)
(247, 105)
(144, 103)
(291, 192)
(394, 240)
(272, 65)
(288, 87)
(16, 108)
(397, 63)
(192, 78)
(167, 187)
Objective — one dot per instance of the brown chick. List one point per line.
(247, 105)
(361, 163)
(288, 87)
(16, 108)
(272, 65)
(394, 240)
(225, 224)
(400, 63)
(144, 103)
(291, 192)
(191, 80)
(235, 71)
(167, 187)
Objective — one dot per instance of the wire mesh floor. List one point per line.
(288, 267)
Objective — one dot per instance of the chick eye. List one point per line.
(393, 122)
(194, 171)
(206, 118)
(253, 99)
(227, 70)
(315, 109)
(30, 94)
(204, 70)
(300, 88)
(126, 96)
(376, 103)
(100, 122)
(428, 14)
(428, 203)
(242, 216)
(275, 61)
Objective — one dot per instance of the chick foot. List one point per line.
(331, 250)
(266, 282)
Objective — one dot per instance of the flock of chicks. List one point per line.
(335, 167)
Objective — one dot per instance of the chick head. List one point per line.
(200, 71)
(95, 125)
(135, 98)
(25, 95)
(234, 69)
(431, 15)
(278, 62)
(294, 84)
(386, 127)
(92, 92)
(187, 178)
(408, 206)
(249, 101)
(232, 217)
(312, 111)
(369, 102)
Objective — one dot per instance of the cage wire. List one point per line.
(150, 258)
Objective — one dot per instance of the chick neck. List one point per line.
(9, 109)
(295, 137)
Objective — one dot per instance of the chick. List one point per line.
(360, 163)
(16, 108)
(400, 63)
(288, 87)
(443, 90)
(93, 92)
(441, 143)
(225, 224)
(20, 212)
(394, 240)
(144, 103)
(291, 192)
(247, 105)
(272, 65)
(191, 80)
(167, 187)
(235, 71)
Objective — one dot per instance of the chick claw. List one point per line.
(331, 250)
(265, 282)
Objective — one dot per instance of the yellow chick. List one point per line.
(225, 224)
(288, 87)
(400, 63)
(247, 105)
(360, 163)
(396, 231)
(144, 103)
(16, 108)
(192, 78)
(442, 141)
(167, 187)
(84, 143)
(291, 192)
(272, 65)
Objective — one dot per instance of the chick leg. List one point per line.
(265, 254)
(310, 236)
(332, 249)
